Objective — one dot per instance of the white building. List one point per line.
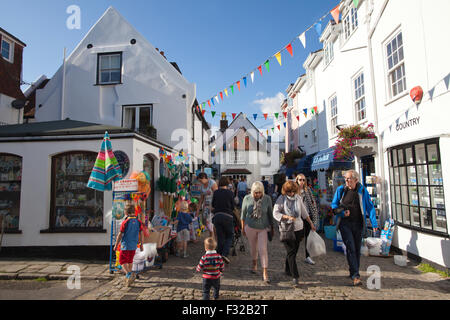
(370, 62)
(116, 77)
(241, 150)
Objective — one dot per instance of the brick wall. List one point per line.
(10, 73)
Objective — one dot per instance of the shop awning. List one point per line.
(324, 160)
(304, 165)
(236, 171)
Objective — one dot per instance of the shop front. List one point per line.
(330, 173)
(46, 205)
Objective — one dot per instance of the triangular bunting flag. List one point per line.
(213, 113)
(232, 89)
(278, 56)
(278, 126)
(255, 115)
(335, 14)
(289, 49)
(315, 109)
(221, 95)
(226, 92)
(298, 118)
(431, 93)
(209, 104)
(212, 100)
(284, 124)
(272, 130)
(285, 114)
(318, 27)
(245, 81)
(239, 85)
(265, 116)
(267, 132)
(305, 112)
(312, 110)
(233, 115)
(276, 115)
(203, 112)
(252, 75)
(217, 98)
(224, 115)
(260, 70)
(446, 79)
(267, 65)
(303, 39)
(355, 3)
(204, 105)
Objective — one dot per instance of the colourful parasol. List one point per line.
(106, 168)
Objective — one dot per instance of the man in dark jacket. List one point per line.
(352, 204)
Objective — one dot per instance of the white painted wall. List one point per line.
(9, 115)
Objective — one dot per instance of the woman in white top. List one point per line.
(289, 209)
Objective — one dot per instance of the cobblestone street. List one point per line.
(327, 280)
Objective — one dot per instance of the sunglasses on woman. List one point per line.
(301, 180)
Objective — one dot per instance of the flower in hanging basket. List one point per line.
(347, 137)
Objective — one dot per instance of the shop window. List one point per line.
(416, 186)
(10, 186)
(74, 206)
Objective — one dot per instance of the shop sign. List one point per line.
(126, 185)
(407, 124)
(322, 158)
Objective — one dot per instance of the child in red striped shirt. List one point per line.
(211, 264)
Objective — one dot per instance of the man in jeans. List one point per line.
(242, 190)
(351, 204)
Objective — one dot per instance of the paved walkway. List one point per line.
(177, 280)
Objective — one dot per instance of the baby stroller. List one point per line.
(238, 241)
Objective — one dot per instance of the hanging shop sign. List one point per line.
(128, 185)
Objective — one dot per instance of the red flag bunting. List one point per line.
(335, 14)
(209, 104)
(298, 118)
(285, 114)
(239, 85)
(221, 95)
(278, 126)
(234, 115)
(260, 70)
(289, 49)
(203, 112)
(315, 109)
(265, 116)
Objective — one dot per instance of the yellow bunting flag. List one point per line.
(278, 56)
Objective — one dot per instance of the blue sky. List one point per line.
(215, 43)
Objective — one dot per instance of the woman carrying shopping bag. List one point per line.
(308, 199)
(289, 211)
(256, 222)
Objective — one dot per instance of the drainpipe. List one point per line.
(63, 90)
(370, 31)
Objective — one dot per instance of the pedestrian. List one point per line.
(352, 204)
(183, 236)
(290, 211)
(256, 222)
(311, 206)
(207, 188)
(211, 264)
(128, 238)
(242, 190)
(192, 225)
(266, 185)
(223, 206)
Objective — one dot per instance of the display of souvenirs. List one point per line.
(76, 205)
(10, 185)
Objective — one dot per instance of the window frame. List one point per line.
(350, 23)
(396, 187)
(333, 129)
(400, 65)
(18, 193)
(99, 55)
(328, 51)
(357, 100)
(137, 120)
(11, 49)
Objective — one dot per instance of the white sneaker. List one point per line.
(310, 261)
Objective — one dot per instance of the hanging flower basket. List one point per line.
(349, 137)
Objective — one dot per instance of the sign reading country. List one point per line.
(129, 185)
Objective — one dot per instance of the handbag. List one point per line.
(287, 232)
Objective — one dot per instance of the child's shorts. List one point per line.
(126, 256)
(183, 235)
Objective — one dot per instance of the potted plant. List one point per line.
(348, 137)
(150, 131)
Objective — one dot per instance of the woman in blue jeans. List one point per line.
(223, 206)
(352, 204)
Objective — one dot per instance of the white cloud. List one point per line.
(259, 94)
(272, 105)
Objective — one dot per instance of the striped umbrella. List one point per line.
(106, 168)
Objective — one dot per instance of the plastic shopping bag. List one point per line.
(315, 245)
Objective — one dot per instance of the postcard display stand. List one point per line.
(373, 186)
(122, 196)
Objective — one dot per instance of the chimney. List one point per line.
(223, 123)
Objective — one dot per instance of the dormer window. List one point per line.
(7, 48)
(109, 68)
(328, 51)
(350, 23)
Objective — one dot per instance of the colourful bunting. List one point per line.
(203, 112)
(217, 98)
(278, 56)
(278, 126)
(245, 81)
(265, 116)
(284, 124)
(298, 118)
(233, 115)
(289, 49)
(355, 3)
(213, 113)
(239, 85)
(226, 91)
(267, 65)
(255, 115)
(209, 104)
(272, 129)
(212, 100)
(221, 95)
(305, 112)
(276, 115)
(232, 89)
(315, 109)
(285, 114)
(303, 39)
(252, 75)
(335, 14)
(260, 70)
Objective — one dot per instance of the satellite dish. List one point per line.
(18, 104)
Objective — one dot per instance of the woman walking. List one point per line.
(256, 221)
(289, 211)
(208, 186)
(223, 206)
(308, 200)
